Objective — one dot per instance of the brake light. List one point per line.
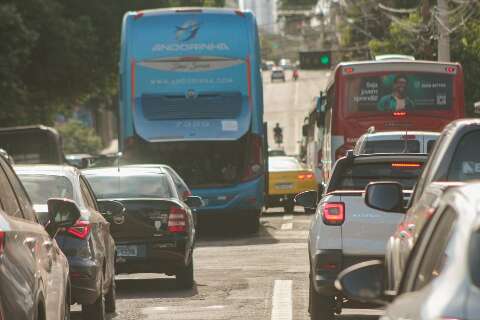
(80, 229)
(348, 70)
(450, 69)
(305, 176)
(177, 220)
(254, 166)
(138, 15)
(333, 213)
(2, 241)
(400, 114)
(406, 165)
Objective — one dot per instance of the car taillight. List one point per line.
(80, 229)
(406, 165)
(305, 176)
(2, 242)
(333, 213)
(400, 114)
(254, 167)
(177, 220)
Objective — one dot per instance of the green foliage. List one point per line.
(79, 139)
(58, 53)
(285, 4)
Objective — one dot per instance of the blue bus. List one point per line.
(191, 97)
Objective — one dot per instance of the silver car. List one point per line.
(442, 278)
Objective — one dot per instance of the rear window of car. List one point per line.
(130, 186)
(392, 146)
(283, 164)
(357, 176)
(42, 187)
(466, 161)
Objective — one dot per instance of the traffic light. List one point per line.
(315, 59)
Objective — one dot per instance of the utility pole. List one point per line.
(444, 37)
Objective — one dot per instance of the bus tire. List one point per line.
(253, 222)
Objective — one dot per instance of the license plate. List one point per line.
(127, 251)
(284, 186)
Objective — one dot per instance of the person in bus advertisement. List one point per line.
(400, 92)
(398, 99)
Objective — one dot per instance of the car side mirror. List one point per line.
(194, 202)
(111, 209)
(364, 282)
(307, 199)
(62, 213)
(385, 196)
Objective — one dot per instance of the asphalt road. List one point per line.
(289, 102)
(238, 276)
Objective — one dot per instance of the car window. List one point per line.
(22, 196)
(136, 185)
(474, 257)
(392, 146)
(430, 145)
(466, 161)
(181, 187)
(357, 176)
(8, 200)
(87, 197)
(436, 254)
(41, 187)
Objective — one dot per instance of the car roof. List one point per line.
(377, 136)
(48, 169)
(125, 169)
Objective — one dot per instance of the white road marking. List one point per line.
(150, 310)
(288, 217)
(282, 300)
(287, 226)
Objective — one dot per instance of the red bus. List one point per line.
(389, 95)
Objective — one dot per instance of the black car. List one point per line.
(158, 232)
(87, 244)
(34, 274)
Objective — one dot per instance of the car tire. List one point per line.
(95, 311)
(321, 307)
(111, 297)
(185, 277)
(289, 207)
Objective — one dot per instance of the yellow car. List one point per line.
(287, 177)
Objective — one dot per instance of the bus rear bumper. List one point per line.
(243, 198)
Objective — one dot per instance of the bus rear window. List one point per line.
(357, 176)
(399, 92)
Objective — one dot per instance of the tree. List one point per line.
(79, 139)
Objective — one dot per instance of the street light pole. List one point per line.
(444, 37)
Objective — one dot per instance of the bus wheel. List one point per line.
(252, 222)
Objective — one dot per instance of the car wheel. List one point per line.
(110, 298)
(289, 207)
(185, 277)
(95, 311)
(320, 307)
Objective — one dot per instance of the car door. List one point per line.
(426, 263)
(105, 240)
(25, 275)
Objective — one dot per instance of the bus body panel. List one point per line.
(191, 78)
(342, 129)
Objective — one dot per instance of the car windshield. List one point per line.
(42, 187)
(357, 177)
(130, 186)
(466, 162)
(283, 164)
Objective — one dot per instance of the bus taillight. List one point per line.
(400, 114)
(255, 160)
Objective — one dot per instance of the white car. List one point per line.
(277, 74)
(344, 230)
(396, 142)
